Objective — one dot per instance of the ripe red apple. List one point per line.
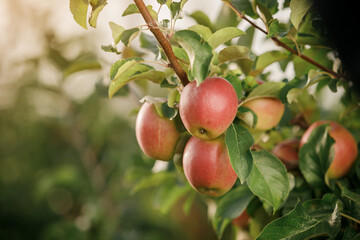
(288, 152)
(345, 148)
(269, 111)
(208, 110)
(156, 135)
(242, 221)
(207, 166)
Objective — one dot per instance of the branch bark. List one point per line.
(163, 41)
(283, 45)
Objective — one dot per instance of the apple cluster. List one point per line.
(206, 111)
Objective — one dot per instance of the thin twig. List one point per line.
(283, 45)
(163, 41)
(350, 217)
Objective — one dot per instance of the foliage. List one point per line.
(301, 201)
(68, 165)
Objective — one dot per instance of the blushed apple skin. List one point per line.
(241, 221)
(345, 148)
(288, 152)
(208, 110)
(269, 112)
(207, 166)
(157, 136)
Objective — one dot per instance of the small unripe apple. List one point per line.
(288, 152)
(269, 111)
(242, 221)
(207, 166)
(208, 110)
(345, 148)
(156, 135)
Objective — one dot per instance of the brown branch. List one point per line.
(283, 45)
(164, 42)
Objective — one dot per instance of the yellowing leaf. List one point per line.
(79, 9)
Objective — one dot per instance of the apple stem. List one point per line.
(163, 41)
(283, 45)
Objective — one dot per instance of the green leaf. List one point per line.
(174, 9)
(124, 71)
(151, 75)
(198, 51)
(238, 142)
(316, 155)
(270, 5)
(168, 195)
(268, 179)
(247, 116)
(351, 234)
(116, 31)
(319, 55)
(202, 19)
(223, 35)
(96, 8)
(247, 39)
(232, 205)
(226, 18)
(293, 94)
(312, 218)
(80, 65)
(277, 29)
(236, 83)
(154, 180)
(128, 35)
(295, 83)
(167, 111)
(161, 2)
(350, 195)
(233, 53)
(149, 42)
(79, 9)
(132, 8)
(267, 89)
(202, 30)
(266, 59)
(298, 10)
(110, 48)
(245, 6)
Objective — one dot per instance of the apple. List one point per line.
(269, 111)
(345, 148)
(156, 135)
(288, 152)
(208, 110)
(207, 166)
(242, 221)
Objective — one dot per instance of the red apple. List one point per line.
(156, 135)
(241, 221)
(208, 110)
(207, 166)
(269, 111)
(345, 148)
(288, 152)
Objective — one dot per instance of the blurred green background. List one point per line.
(69, 160)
